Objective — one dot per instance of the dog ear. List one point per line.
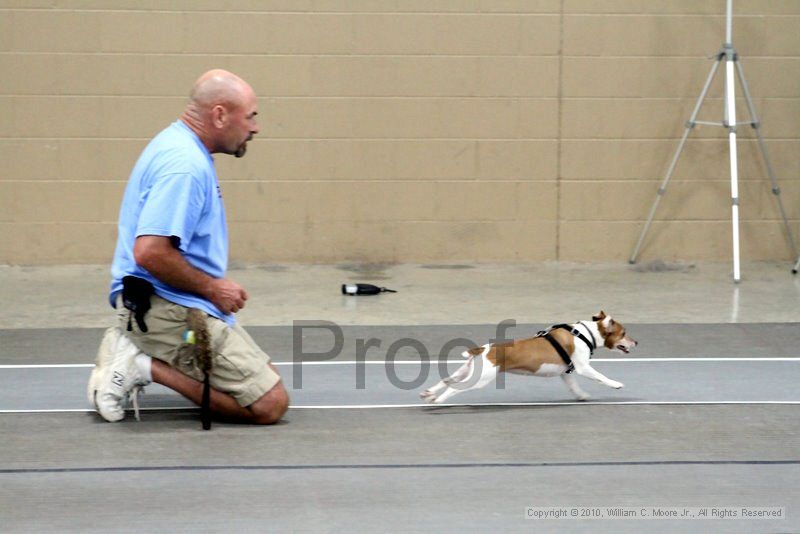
(600, 316)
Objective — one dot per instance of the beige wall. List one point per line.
(404, 130)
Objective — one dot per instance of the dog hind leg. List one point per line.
(430, 394)
(487, 373)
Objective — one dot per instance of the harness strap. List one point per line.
(575, 332)
(560, 350)
(594, 341)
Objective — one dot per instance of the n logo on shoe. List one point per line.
(118, 379)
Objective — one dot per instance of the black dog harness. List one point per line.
(560, 350)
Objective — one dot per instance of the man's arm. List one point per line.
(165, 262)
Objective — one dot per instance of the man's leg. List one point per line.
(245, 386)
(265, 411)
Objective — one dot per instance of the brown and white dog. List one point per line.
(539, 357)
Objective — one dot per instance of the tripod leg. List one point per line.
(661, 190)
(730, 120)
(762, 145)
(734, 203)
(689, 126)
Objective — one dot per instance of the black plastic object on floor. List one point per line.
(364, 289)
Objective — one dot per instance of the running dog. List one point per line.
(556, 352)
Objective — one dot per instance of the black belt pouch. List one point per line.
(136, 293)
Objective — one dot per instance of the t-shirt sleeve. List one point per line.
(172, 208)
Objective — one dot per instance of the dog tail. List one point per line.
(477, 351)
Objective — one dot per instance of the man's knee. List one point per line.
(271, 406)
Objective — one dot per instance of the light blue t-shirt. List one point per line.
(173, 192)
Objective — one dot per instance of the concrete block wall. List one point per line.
(405, 130)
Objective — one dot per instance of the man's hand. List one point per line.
(158, 255)
(227, 295)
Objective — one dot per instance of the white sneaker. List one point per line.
(104, 356)
(115, 376)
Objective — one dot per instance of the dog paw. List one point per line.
(583, 397)
(427, 396)
(617, 385)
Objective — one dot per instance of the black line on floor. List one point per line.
(35, 470)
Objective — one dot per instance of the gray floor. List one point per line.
(397, 466)
(397, 385)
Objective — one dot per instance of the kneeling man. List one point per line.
(172, 256)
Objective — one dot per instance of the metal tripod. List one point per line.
(728, 54)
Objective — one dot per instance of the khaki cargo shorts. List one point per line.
(239, 367)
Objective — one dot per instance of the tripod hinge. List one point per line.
(690, 124)
(735, 201)
(776, 190)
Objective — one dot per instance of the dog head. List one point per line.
(613, 333)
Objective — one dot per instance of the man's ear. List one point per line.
(219, 116)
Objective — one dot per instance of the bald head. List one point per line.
(218, 87)
(221, 111)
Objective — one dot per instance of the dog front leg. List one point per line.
(572, 384)
(587, 371)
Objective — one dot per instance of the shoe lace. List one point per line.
(133, 396)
